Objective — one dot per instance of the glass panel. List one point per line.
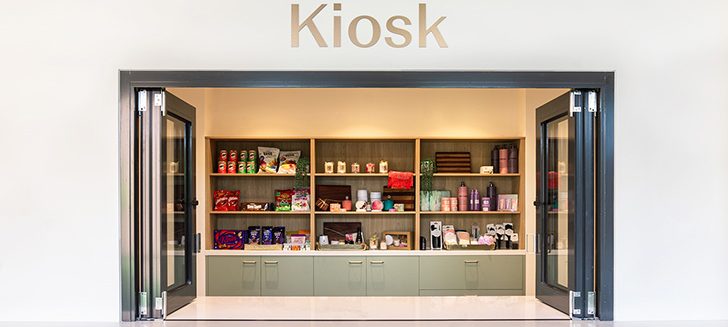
(557, 201)
(175, 222)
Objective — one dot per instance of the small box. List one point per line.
(229, 239)
(403, 239)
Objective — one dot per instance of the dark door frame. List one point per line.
(601, 81)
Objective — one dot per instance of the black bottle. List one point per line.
(423, 243)
(494, 159)
(359, 236)
(492, 193)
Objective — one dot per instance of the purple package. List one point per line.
(253, 234)
(267, 235)
(279, 235)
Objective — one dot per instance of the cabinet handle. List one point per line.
(271, 262)
(471, 261)
(249, 262)
(357, 262)
(379, 262)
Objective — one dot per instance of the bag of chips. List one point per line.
(288, 161)
(267, 160)
(220, 198)
(301, 200)
(233, 201)
(283, 200)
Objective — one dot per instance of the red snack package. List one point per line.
(233, 200)
(400, 180)
(220, 198)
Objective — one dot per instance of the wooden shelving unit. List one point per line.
(402, 155)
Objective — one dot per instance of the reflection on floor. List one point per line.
(368, 308)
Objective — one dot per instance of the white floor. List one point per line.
(368, 308)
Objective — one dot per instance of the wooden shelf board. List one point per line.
(352, 175)
(300, 213)
(383, 213)
(251, 175)
(473, 175)
(470, 213)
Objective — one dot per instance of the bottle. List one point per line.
(494, 159)
(462, 197)
(492, 193)
(346, 204)
(513, 160)
(359, 236)
(475, 200)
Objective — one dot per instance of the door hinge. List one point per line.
(573, 307)
(592, 103)
(159, 303)
(574, 102)
(591, 304)
(143, 305)
(142, 104)
(159, 102)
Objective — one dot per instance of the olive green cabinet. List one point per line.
(393, 276)
(464, 275)
(287, 276)
(233, 275)
(340, 276)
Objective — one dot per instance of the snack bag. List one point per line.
(283, 200)
(301, 200)
(220, 198)
(233, 200)
(267, 160)
(288, 161)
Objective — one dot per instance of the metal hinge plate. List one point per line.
(575, 311)
(592, 104)
(142, 104)
(143, 304)
(591, 304)
(574, 103)
(159, 102)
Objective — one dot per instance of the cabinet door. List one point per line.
(233, 276)
(393, 276)
(501, 272)
(340, 276)
(443, 272)
(287, 276)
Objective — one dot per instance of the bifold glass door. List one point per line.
(565, 205)
(167, 203)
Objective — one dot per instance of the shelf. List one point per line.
(352, 175)
(366, 213)
(252, 175)
(486, 213)
(362, 253)
(473, 175)
(260, 212)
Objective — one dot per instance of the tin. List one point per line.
(231, 167)
(222, 166)
(223, 155)
(253, 155)
(243, 155)
(251, 168)
(241, 167)
(233, 155)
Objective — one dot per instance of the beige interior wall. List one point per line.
(366, 112)
(373, 113)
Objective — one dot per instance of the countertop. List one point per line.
(363, 253)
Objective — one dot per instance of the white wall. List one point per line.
(59, 132)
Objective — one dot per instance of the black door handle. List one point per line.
(195, 202)
(538, 204)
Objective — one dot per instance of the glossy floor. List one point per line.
(368, 308)
(548, 323)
